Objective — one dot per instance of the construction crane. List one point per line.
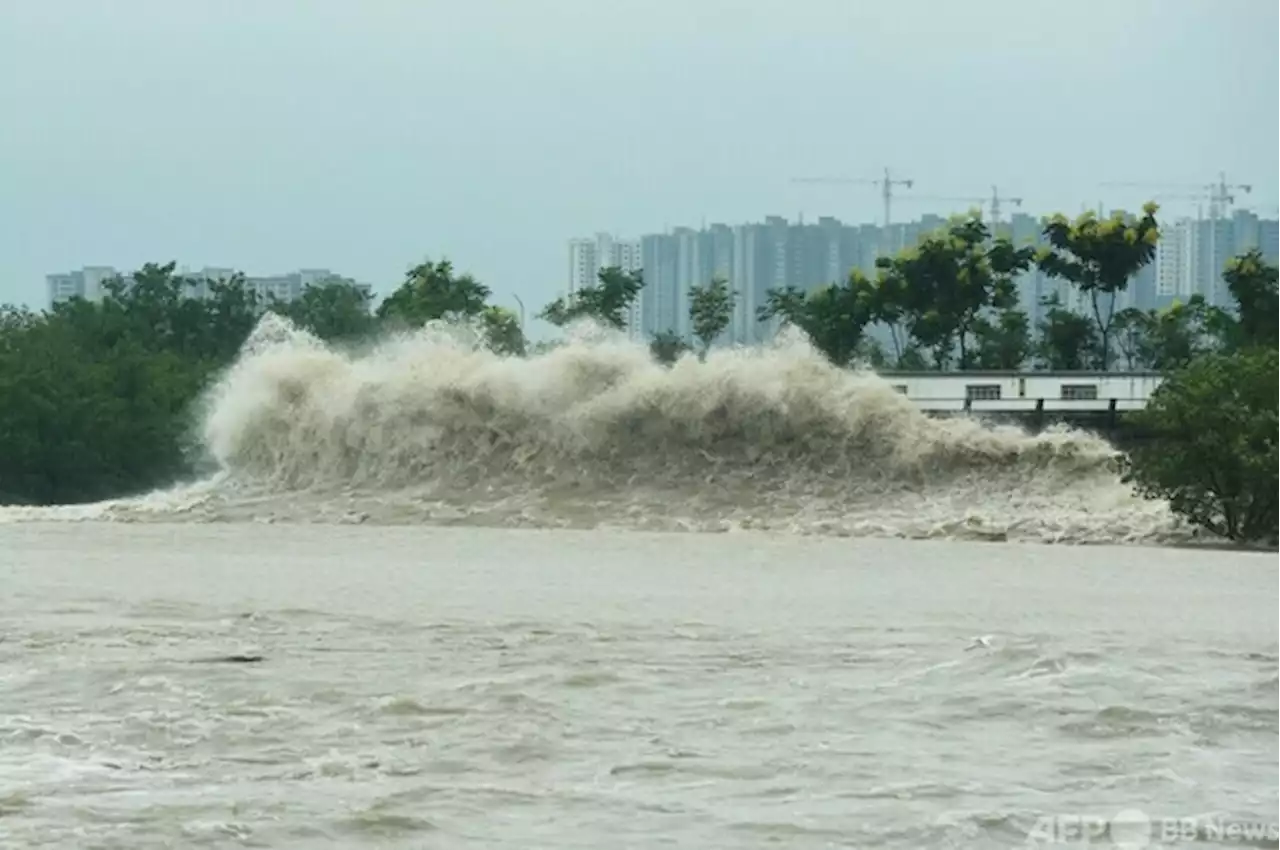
(992, 202)
(885, 183)
(1219, 194)
(1217, 202)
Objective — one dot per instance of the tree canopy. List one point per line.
(1213, 456)
(1099, 257)
(710, 310)
(606, 302)
(97, 399)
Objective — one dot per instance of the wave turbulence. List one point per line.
(430, 428)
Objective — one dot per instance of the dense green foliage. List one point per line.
(668, 347)
(710, 309)
(98, 399)
(1214, 422)
(951, 302)
(1099, 257)
(607, 302)
(1215, 457)
(834, 317)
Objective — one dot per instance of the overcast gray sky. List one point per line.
(365, 135)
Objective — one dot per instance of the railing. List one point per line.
(1030, 405)
(1030, 393)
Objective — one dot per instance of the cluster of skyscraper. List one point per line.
(89, 283)
(774, 254)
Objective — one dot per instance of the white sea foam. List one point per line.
(430, 428)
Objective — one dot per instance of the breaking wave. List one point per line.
(431, 428)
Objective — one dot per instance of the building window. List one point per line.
(900, 388)
(1080, 392)
(982, 392)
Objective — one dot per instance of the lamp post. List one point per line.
(521, 303)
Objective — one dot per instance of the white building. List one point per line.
(1177, 256)
(88, 283)
(588, 256)
(1025, 392)
(1193, 252)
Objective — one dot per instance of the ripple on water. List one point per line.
(806, 708)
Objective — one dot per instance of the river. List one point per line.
(474, 688)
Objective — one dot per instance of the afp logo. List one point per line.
(1126, 830)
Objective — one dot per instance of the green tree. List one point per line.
(545, 346)
(946, 285)
(97, 398)
(431, 292)
(1066, 340)
(228, 313)
(889, 308)
(1170, 338)
(1003, 340)
(334, 310)
(502, 332)
(1131, 329)
(710, 311)
(834, 317)
(911, 360)
(15, 322)
(607, 302)
(202, 321)
(667, 347)
(1100, 257)
(871, 353)
(1251, 280)
(93, 397)
(1212, 450)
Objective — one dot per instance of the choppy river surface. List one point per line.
(467, 687)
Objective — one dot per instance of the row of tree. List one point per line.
(96, 399)
(1211, 427)
(952, 302)
(1213, 455)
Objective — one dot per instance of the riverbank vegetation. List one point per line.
(97, 399)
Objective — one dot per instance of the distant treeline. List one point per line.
(96, 398)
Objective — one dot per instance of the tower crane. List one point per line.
(885, 183)
(1219, 194)
(992, 202)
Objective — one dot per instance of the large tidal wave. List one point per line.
(429, 428)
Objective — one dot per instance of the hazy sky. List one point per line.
(365, 135)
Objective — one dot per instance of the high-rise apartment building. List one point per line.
(1193, 253)
(587, 257)
(1269, 240)
(89, 283)
(1176, 258)
(777, 253)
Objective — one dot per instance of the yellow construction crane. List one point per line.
(993, 203)
(885, 183)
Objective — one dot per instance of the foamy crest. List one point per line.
(430, 427)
